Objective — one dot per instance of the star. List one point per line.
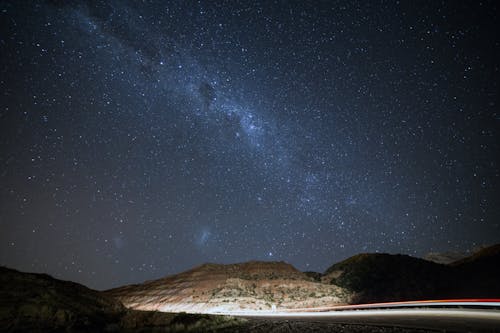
(139, 140)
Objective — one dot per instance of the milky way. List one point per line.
(140, 139)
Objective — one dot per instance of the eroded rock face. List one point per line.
(248, 286)
(363, 278)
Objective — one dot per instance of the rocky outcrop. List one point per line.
(248, 286)
(364, 278)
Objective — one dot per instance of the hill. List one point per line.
(363, 278)
(487, 256)
(247, 286)
(39, 303)
(478, 274)
(374, 277)
(384, 277)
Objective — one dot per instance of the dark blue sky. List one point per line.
(141, 139)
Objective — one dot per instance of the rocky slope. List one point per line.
(363, 278)
(237, 287)
(39, 303)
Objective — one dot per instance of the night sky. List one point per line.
(139, 139)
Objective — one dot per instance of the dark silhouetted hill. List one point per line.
(39, 303)
(374, 277)
(385, 277)
(478, 276)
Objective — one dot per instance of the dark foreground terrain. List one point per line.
(298, 326)
(415, 319)
(39, 303)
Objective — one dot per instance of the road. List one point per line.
(454, 320)
(449, 316)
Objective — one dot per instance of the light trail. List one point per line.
(454, 303)
(455, 320)
(476, 302)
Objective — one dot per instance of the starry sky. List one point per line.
(139, 139)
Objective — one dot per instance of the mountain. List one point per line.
(363, 278)
(236, 287)
(374, 277)
(455, 258)
(487, 257)
(39, 303)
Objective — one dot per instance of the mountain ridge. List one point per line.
(33, 301)
(277, 285)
